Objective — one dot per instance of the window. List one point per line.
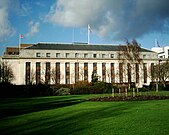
(144, 56)
(57, 55)
(137, 72)
(121, 72)
(47, 73)
(67, 72)
(28, 69)
(129, 72)
(94, 55)
(152, 72)
(103, 55)
(76, 55)
(67, 55)
(112, 55)
(57, 73)
(76, 72)
(95, 68)
(86, 71)
(38, 73)
(104, 72)
(37, 54)
(47, 54)
(112, 72)
(145, 72)
(85, 55)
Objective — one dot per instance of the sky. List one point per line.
(66, 21)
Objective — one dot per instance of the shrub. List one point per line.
(91, 88)
(143, 89)
(62, 91)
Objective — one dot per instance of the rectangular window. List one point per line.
(94, 55)
(145, 72)
(38, 73)
(67, 72)
(95, 68)
(144, 56)
(28, 69)
(76, 55)
(37, 54)
(137, 73)
(47, 74)
(129, 72)
(76, 72)
(85, 55)
(112, 73)
(57, 80)
(152, 72)
(103, 55)
(57, 55)
(104, 72)
(112, 55)
(47, 54)
(121, 72)
(67, 55)
(86, 71)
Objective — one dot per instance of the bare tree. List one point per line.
(108, 72)
(160, 73)
(164, 72)
(130, 56)
(6, 73)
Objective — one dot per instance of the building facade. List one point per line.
(70, 63)
(163, 52)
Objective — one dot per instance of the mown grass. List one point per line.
(73, 115)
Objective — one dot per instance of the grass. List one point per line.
(73, 115)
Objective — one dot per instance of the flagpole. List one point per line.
(19, 43)
(73, 35)
(88, 34)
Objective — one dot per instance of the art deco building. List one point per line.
(69, 63)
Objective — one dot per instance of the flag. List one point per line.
(89, 28)
(20, 36)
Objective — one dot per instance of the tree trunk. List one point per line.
(156, 87)
(126, 91)
(134, 92)
(113, 92)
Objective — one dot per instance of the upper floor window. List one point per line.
(103, 55)
(112, 55)
(47, 54)
(67, 55)
(37, 54)
(57, 55)
(85, 55)
(94, 55)
(76, 55)
(144, 56)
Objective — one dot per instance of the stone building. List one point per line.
(68, 63)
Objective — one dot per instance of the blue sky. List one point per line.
(111, 21)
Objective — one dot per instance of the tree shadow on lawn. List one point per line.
(17, 108)
(78, 121)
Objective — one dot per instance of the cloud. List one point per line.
(116, 19)
(34, 28)
(20, 8)
(6, 29)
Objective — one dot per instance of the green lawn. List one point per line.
(66, 115)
